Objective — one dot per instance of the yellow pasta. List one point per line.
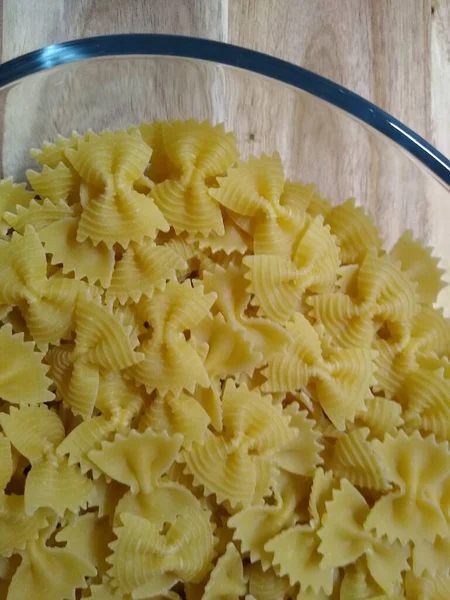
(227, 578)
(421, 266)
(344, 540)
(257, 525)
(39, 214)
(342, 379)
(51, 154)
(59, 183)
(385, 295)
(12, 195)
(214, 384)
(401, 515)
(6, 465)
(84, 260)
(229, 352)
(55, 571)
(279, 282)
(354, 230)
(23, 376)
(114, 212)
(233, 300)
(182, 415)
(252, 426)
(382, 416)
(355, 459)
(266, 585)
(197, 153)
(88, 537)
(142, 270)
(137, 460)
(170, 362)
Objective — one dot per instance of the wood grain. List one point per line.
(395, 53)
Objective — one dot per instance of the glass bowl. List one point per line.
(324, 133)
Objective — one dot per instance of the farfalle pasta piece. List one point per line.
(198, 153)
(17, 528)
(431, 557)
(83, 259)
(165, 510)
(160, 166)
(301, 456)
(142, 270)
(102, 344)
(355, 231)
(427, 587)
(23, 375)
(296, 556)
(232, 301)
(120, 402)
(385, 294)
(342, 378)
(87, 436)
(266, 585)
(56, 572)
(342, 535)
(344, 540)
(425, 396)
(177, 414)
(53, 153)
(55, 183)
(255, 189)
(170, 362)
(227, 580)
(231, 465)
(295, 550)
(358, 583)
(234, 239)
(229, 352)
(256, 525)
(138, 459)
(417, 261)
(382, 416)
(429, 335)
(57, 224)
(279, 282)
(114, 212)
(355, 459)
(11, 195)
(35, 432)
(346, 326)
(39, 214)
(88, 537)
(118, 399)
(147, 562)
(412, 511)
(47, 304)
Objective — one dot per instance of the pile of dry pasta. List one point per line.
(214, 385)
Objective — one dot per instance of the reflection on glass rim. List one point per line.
(234, 56)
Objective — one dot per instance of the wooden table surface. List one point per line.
(396, 53)
(393, 52)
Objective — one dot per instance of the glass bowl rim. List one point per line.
(150, 44)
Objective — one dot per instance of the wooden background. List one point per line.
(394, 52)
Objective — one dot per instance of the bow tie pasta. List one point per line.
(214, 385)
